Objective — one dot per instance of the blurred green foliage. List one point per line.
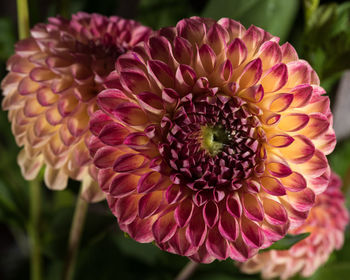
(321, 33)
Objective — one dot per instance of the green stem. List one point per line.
(33, 229)
(22, 19)
(80, 211)
(187, 271)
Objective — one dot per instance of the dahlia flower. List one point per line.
(211, 140)
(50, 92)
(326, 223)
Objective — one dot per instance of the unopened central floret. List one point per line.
(211, 142)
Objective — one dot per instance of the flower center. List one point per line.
(214, 138)
(211, 142)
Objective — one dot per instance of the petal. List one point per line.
(281, 103)
(125, 209)
(196, 230)
(252, 207)
(162, 73)
(164, 228)
(316, 166)
(217, 37)
(294, 182)
(233, 205)
(129, 162)
(131, 114)
(190, 29)
(108, 100)
(150, 102)
(272, 186)
(251, 74)
(113, 134)
(301, 150)
(55, 179)
(288, 53)
(180, 244)
(317, 126)
(280, 141)
(293, 122)
(228, 226)
(302, 95)
(210, 214)
(135, 82)
(182, 50)
(216, 245)
(253, 94)
(278, 169)
(140, 230)
(275, 78)
(123, 185)
(270, 54)
(183, 213)
(251, 233)
(149, 204)
(236, 52)
(275, 213)
(207, 58)
(302, 200)
(148, 182)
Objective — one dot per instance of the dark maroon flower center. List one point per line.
(211, 142)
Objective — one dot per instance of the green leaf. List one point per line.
(287, 242)
(275, 16)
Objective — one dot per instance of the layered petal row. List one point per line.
(50, 93)
(211, 140)
(326, 223)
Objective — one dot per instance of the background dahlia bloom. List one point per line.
(326, 223)
(51, 91)
(211, 140)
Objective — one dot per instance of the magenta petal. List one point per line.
(126, 209)
(275, 213)
(182, 50)
(98, 121)
(251, 233)
(129, 162)
(294, 182)
(233, 205)
(275, 78)
(113, 134)
(150, 102)
(123, 185)
(216, 245)
(236, 52)
(148, 182)
(183, 212)
(149, 203)
(303, 200)
(252, 207)
(228, 226)
(173, 194)
(164, 228)
(251, 74)
(141, 230)
(211, 213)
(196, 230)
(180, 244)
(279, 170)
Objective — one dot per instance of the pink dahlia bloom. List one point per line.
(211, 140)
(326, 223)
(50, 92)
